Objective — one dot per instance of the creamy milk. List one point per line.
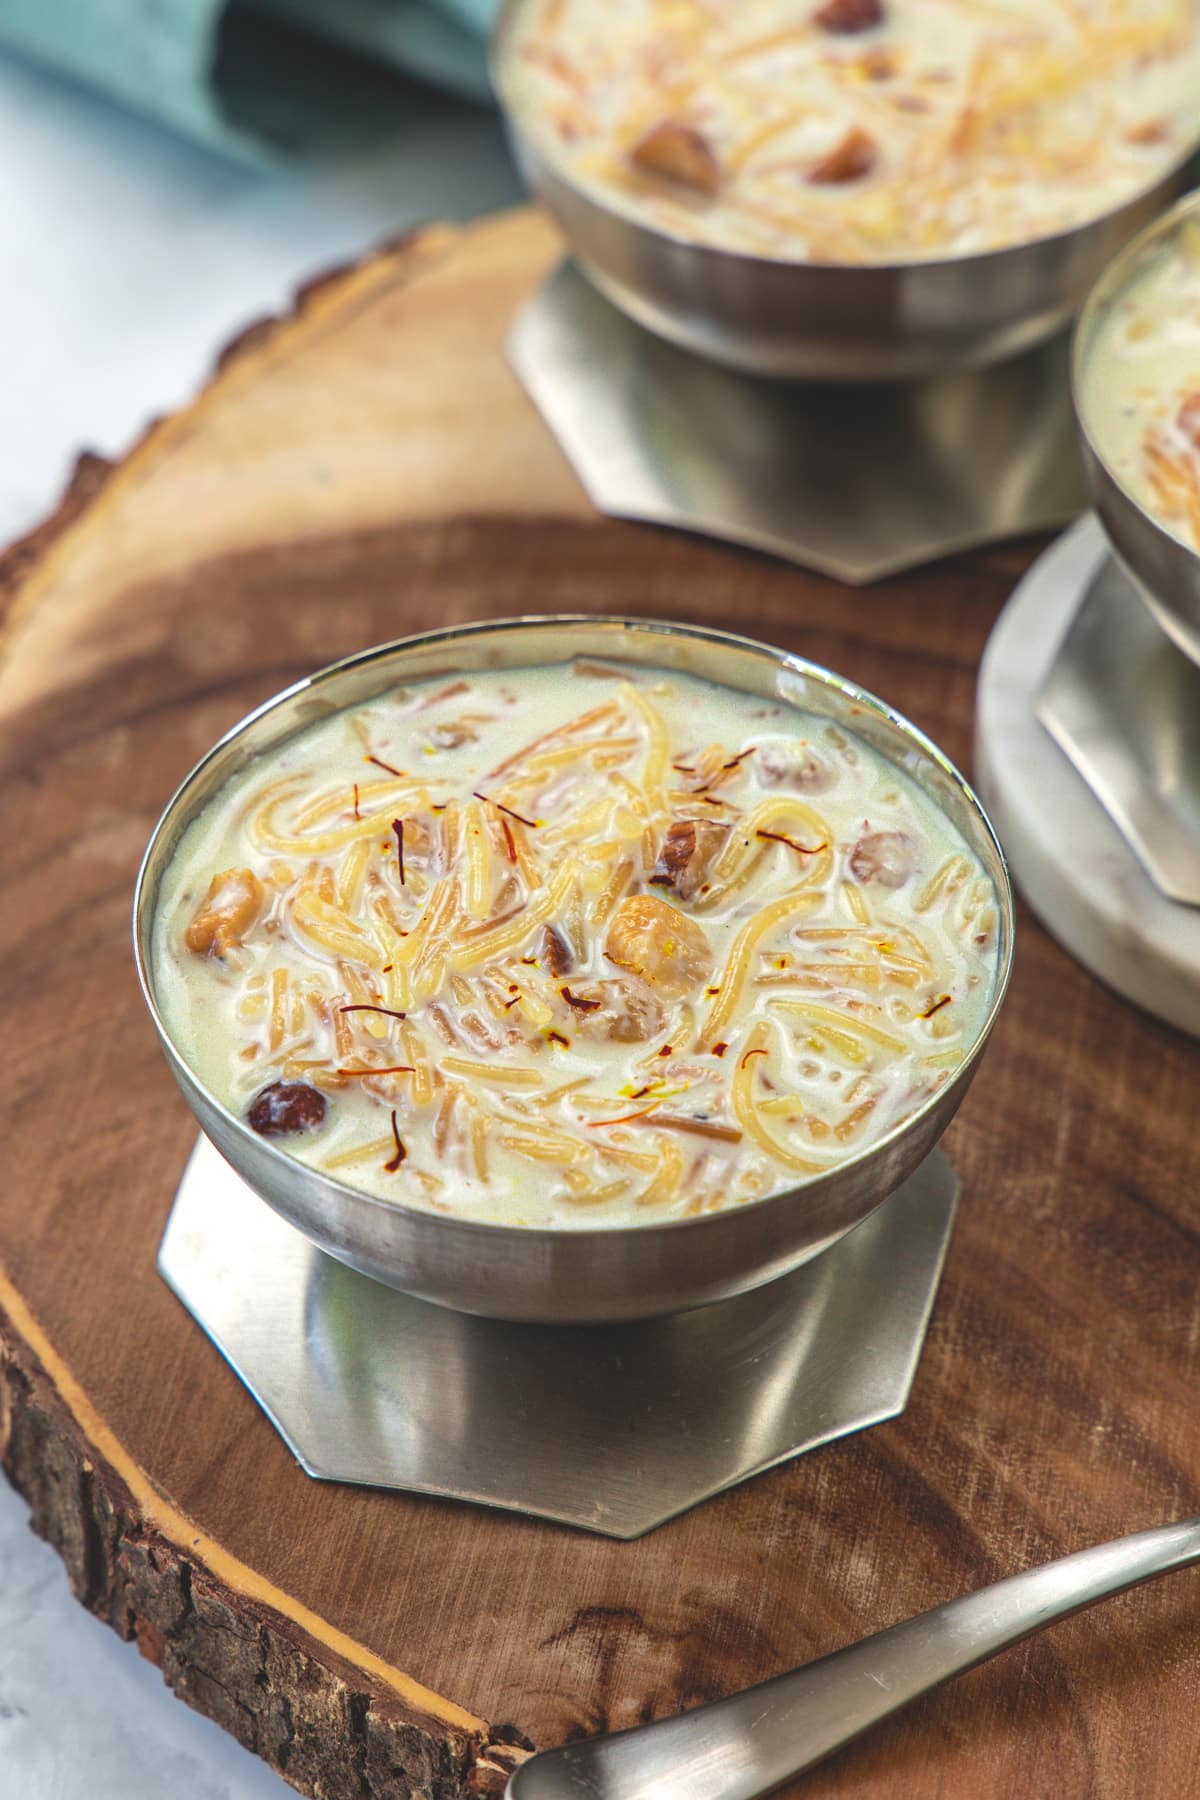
(656, 947)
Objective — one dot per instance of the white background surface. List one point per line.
(127, 260)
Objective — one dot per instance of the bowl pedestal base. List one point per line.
(611, 1428)
(857, 480)
(1087, 756)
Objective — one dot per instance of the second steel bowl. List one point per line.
(1165, 570)
(823, 321)
(565, 1275)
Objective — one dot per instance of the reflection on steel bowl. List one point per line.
(862, 192)
(1137, 399)
(646, 1016)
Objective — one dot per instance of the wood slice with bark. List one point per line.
(365, 467)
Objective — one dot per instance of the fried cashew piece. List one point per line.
(678, 152)
(658, 942)
(226, 914)
(852, 157)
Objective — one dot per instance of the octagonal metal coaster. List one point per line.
(858, 481)
(612, 1428)
(1087, 756)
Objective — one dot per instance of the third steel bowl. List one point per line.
(1165, 570)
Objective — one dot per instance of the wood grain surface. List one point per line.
(364, 468)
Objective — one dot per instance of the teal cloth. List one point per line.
(258, 79)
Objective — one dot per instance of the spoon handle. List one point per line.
(749, 1744)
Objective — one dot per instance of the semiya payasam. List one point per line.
(1141, 385)
(859, 131)
(574, 946)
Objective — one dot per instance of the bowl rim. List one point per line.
(1106, 290)
(144, 913)
(616, 207)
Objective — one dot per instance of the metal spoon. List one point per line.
(749, 1744)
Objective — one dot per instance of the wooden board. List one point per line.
(363, 468)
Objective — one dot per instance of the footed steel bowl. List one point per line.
(824, 321)
(568, 1275)
(1165, 570)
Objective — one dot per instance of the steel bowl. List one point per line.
(1164, 570)
(556, 1275)
(824, 321)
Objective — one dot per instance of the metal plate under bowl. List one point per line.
(612, 1428)
(1124, 703)
(1087, 756)
(855, 481)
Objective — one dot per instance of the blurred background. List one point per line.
(169, 171)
